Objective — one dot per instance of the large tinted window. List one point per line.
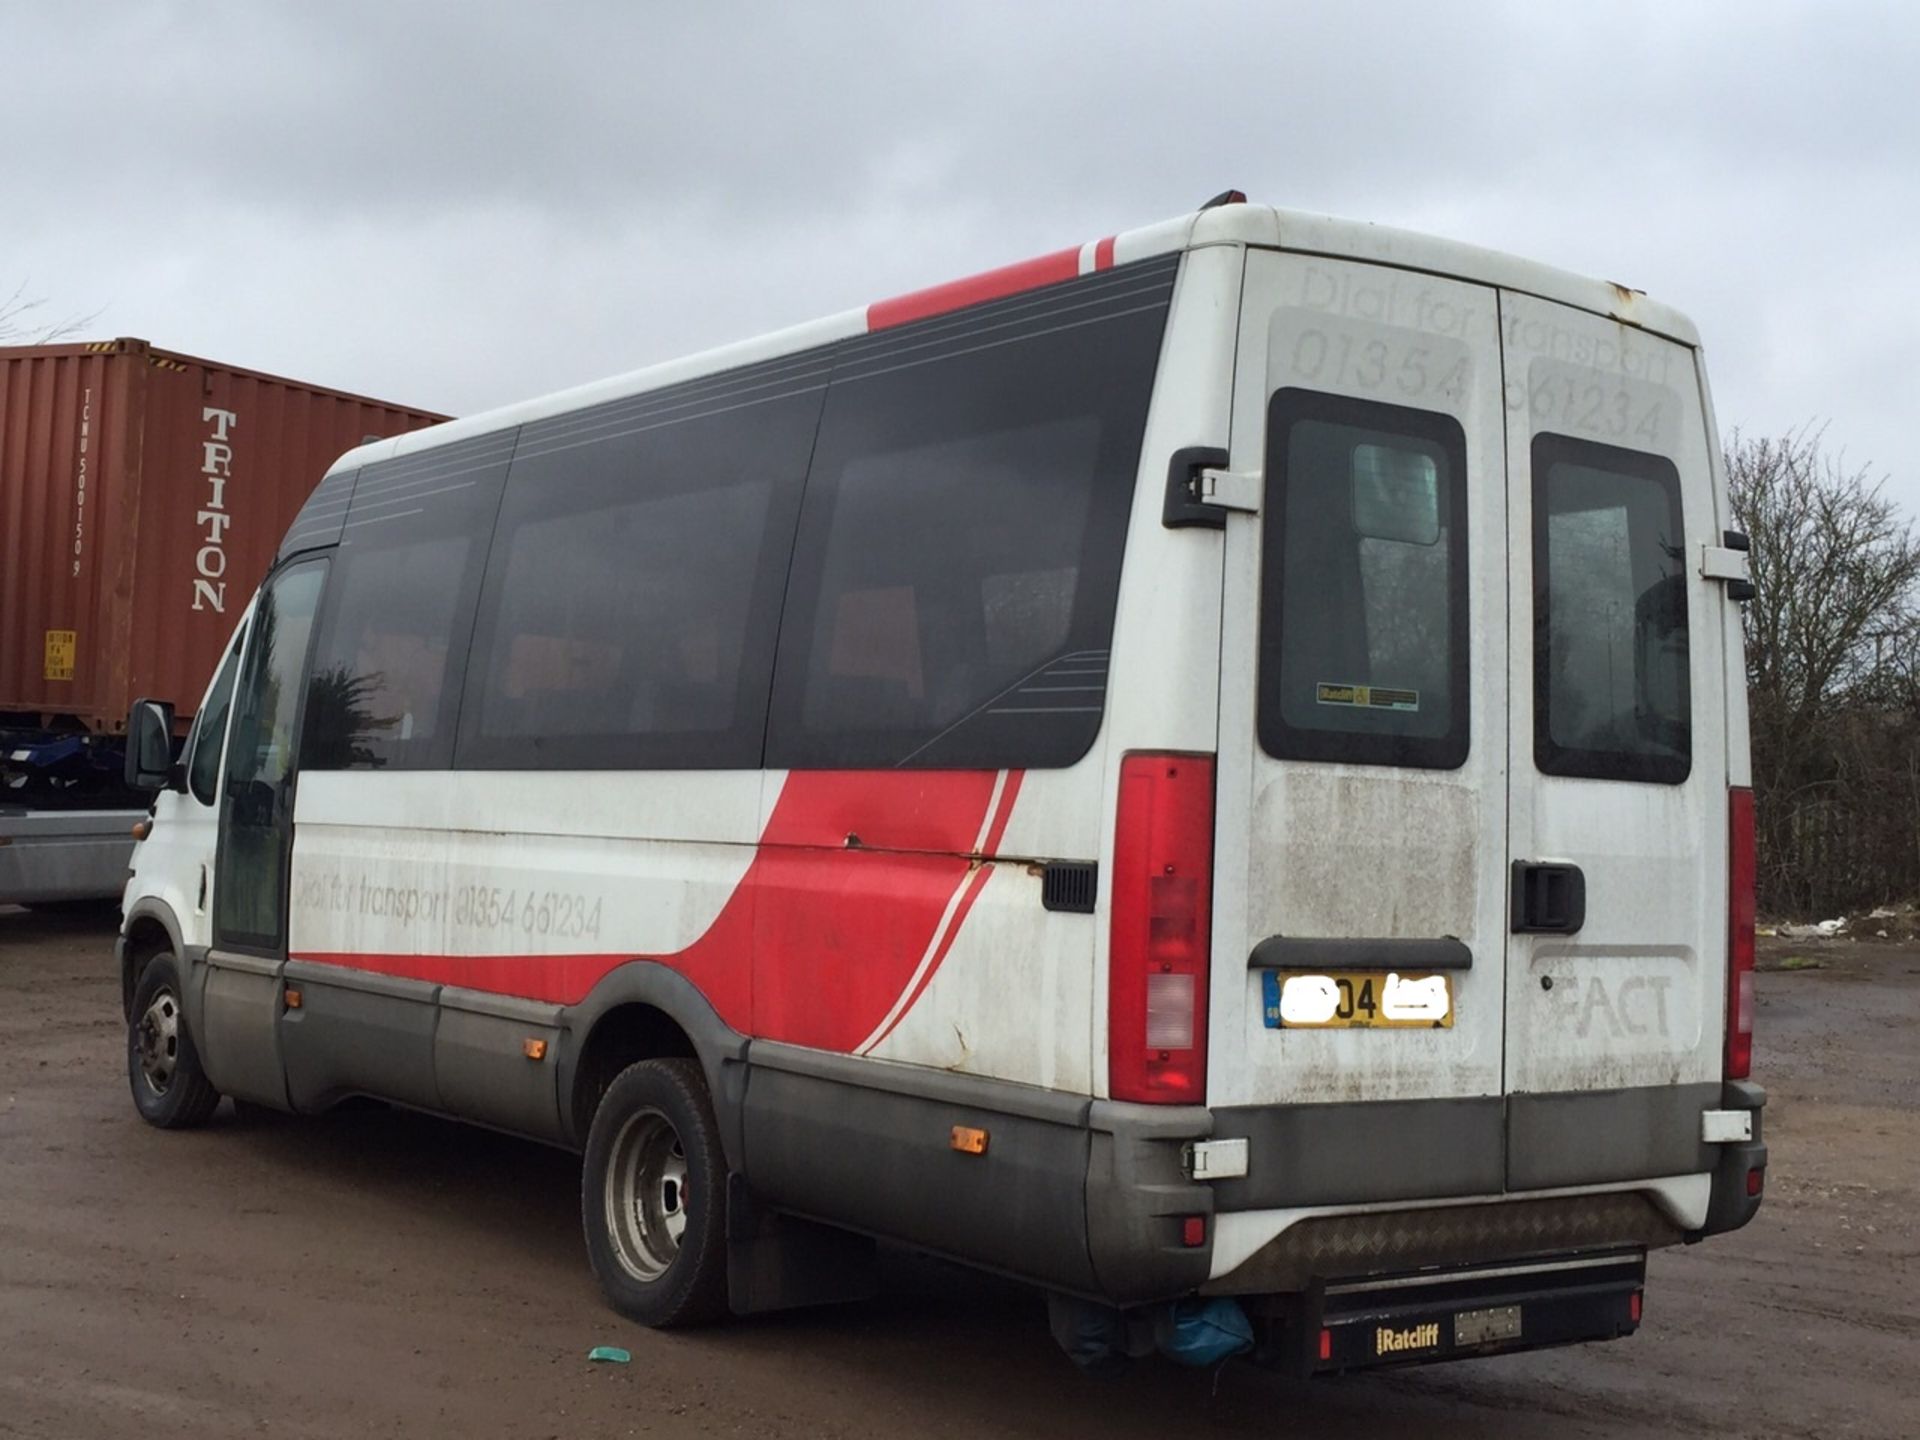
(632, 595)
(1363, 631)
(1611, 691)
(954, 581)
(387, 663)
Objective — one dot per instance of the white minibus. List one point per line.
(1204, 770)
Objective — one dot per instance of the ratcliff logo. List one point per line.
(1417, 1337)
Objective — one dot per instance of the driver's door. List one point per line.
(242, 996)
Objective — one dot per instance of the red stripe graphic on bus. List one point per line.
(974, 289)
(851, 903)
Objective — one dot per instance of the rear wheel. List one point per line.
(653, 1196)
(170, 1089)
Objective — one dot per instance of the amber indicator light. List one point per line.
(968, 1140)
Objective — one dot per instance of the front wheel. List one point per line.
(170, 1089)
(653, 1196)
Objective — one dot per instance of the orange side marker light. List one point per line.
(293, 998)
(534, 1049)
(968, 1140)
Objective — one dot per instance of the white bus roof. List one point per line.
(1224, 224)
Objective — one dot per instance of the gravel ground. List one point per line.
(375, 1272)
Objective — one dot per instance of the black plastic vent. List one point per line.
(1070, 885)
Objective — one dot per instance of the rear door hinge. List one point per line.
(1232, 490)
(1727, 563)
(1201, 491)
(1217, 1159)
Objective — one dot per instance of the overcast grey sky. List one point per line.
(456, 205)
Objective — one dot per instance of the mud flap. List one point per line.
(780, 1262)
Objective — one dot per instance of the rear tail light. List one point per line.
(1162, 930)
(1740, 881)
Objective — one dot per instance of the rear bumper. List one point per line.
(1339, 1191)
(1376, 1152)
(1740, 1171)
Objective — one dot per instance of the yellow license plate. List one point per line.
(1357, 999)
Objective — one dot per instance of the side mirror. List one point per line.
(150, 745)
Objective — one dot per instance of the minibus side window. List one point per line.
(381, 664)
(628, 619)
(1611, 692)
(632, 595)
(392, 642)
(959, 554)
(1363, 634)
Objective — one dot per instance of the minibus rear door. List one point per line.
(1617, 963)
(1359, 984)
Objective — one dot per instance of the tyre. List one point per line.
(653, 1196)
(170, 1089)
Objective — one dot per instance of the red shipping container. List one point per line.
(142, 497)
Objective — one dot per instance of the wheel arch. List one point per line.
(643, 1010)
(148, 927)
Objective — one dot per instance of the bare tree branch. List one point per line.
(22, 321)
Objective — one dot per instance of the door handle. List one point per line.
(1549, 898)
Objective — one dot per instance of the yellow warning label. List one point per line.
(61, 645)
(1371, 697)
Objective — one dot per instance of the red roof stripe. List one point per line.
(991, 285)
(1103, 254)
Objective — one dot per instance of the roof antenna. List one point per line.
(1226, 197)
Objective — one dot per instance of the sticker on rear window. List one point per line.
(1369, 697)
